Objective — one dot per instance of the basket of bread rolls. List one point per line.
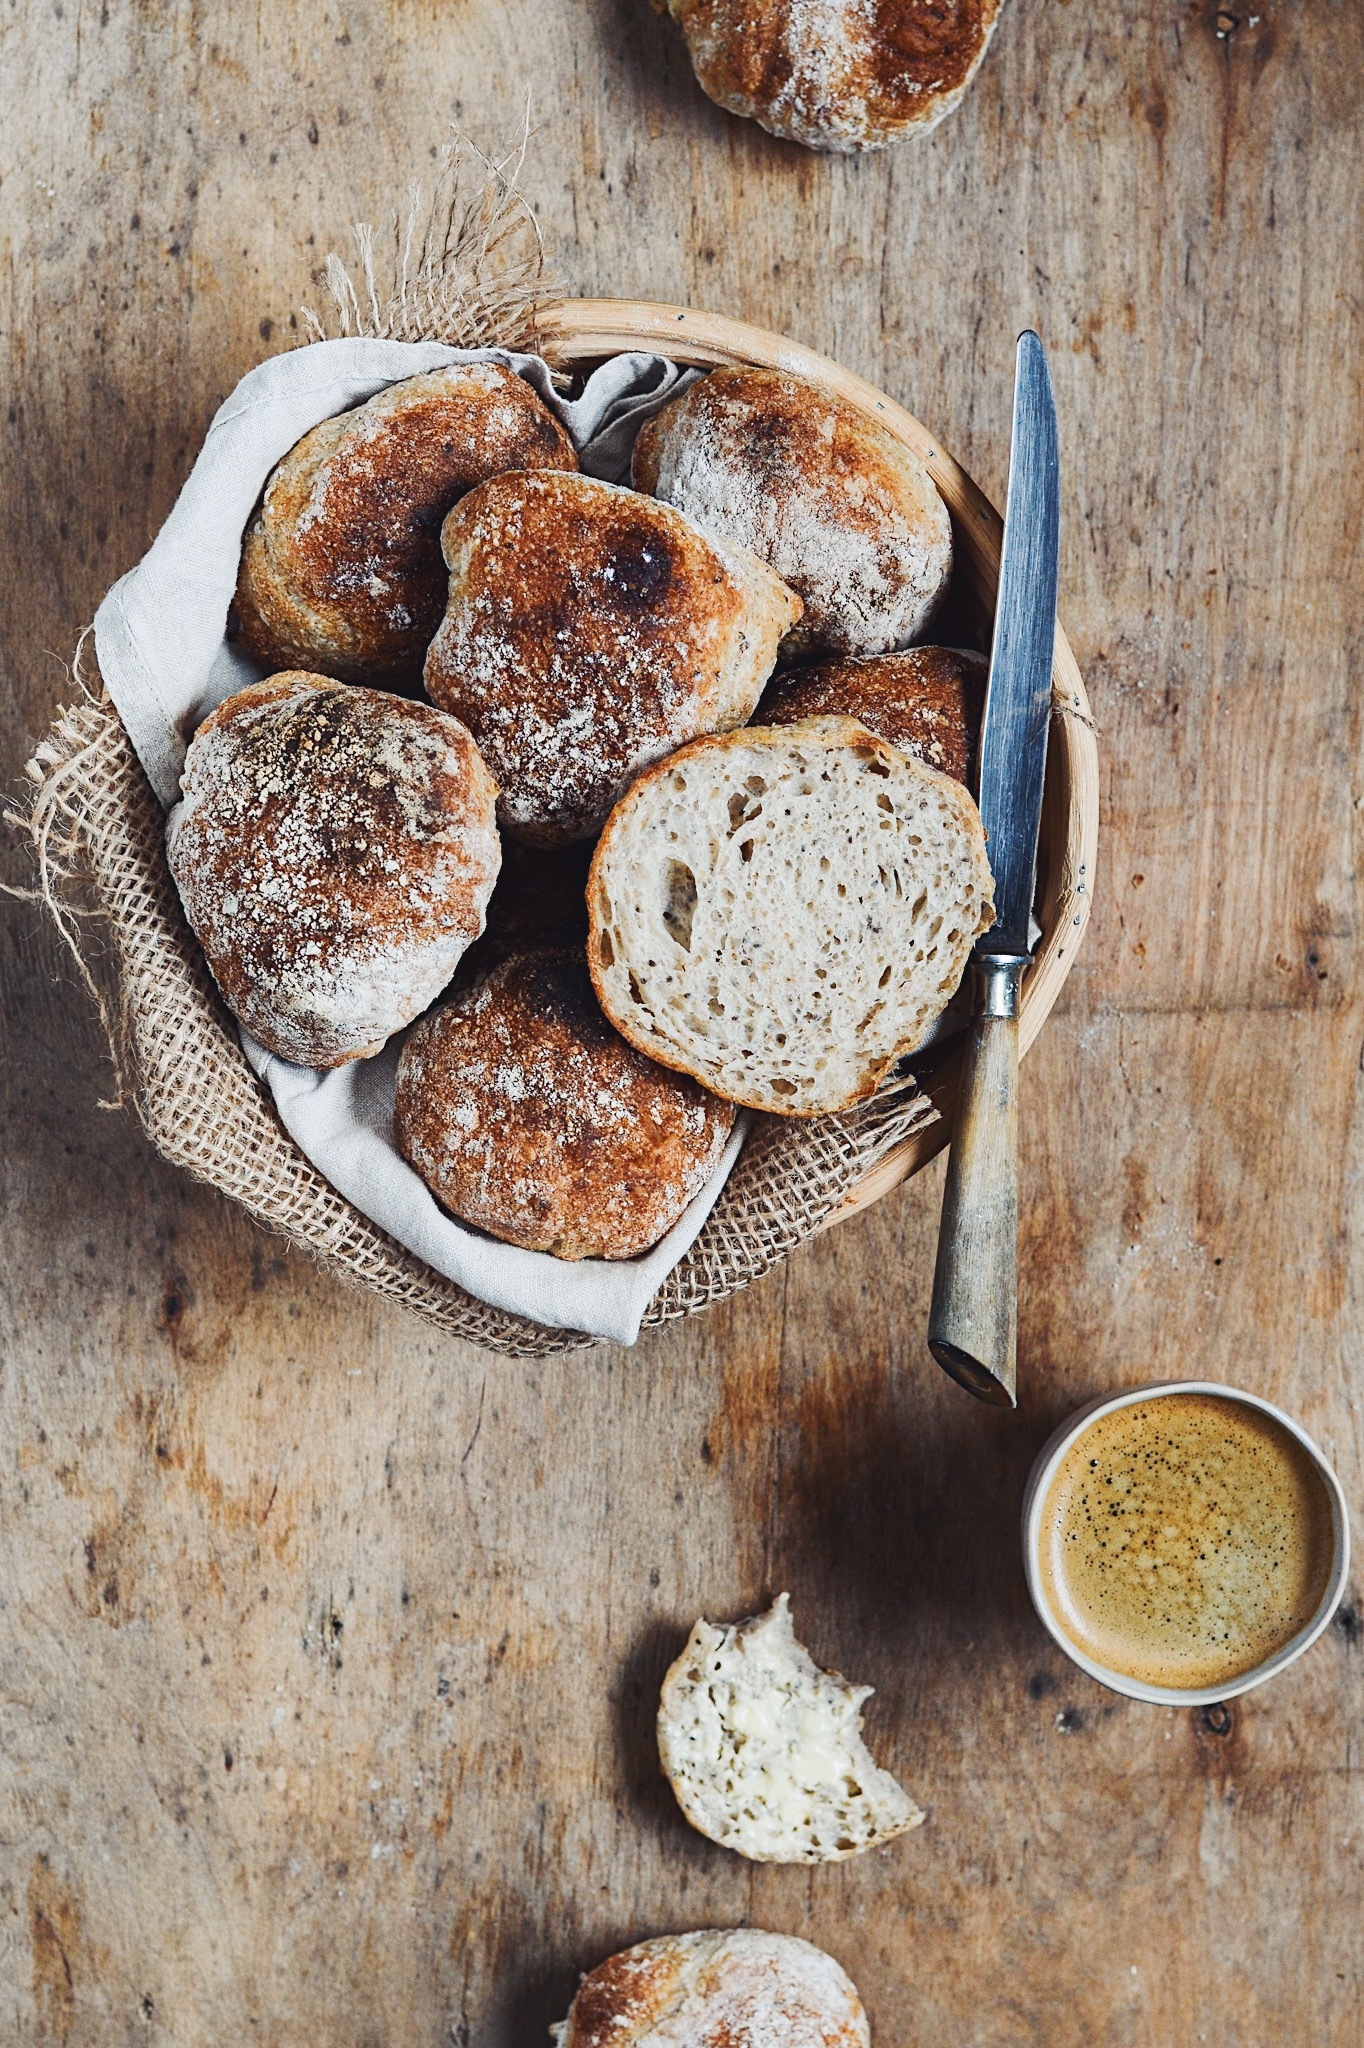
(529, 788)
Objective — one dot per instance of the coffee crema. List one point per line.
(1184, 1539)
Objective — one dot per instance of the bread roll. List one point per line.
(739, 1988)
(927, 702)
(843, 512)
(590, 631)
(529, 1117)
(764, 1750)
(334, 849)
(540, 900)
(341, 569)
(838, 74)
(783, 911)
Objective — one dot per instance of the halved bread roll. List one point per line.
(764, 1750)
(783, 911)
(717, 1988)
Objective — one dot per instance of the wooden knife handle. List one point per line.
(973, 1321)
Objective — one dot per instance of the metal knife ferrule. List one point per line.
(1000, 979)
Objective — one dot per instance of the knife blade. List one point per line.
(973, 1319)
(1013, 738)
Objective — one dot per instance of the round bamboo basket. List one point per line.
(576, 333)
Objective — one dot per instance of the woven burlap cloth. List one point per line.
(466, 270)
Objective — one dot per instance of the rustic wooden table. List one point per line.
(330, 1648)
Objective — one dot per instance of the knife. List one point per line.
(973, 1320)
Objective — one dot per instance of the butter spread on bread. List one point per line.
(764, 1750)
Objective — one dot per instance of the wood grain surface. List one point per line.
(328, 1649)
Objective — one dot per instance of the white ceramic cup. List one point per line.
(1044, 1470)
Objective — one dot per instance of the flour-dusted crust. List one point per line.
(590, 631)
(838, 74)
(783, 911)
(529, 1117)
(734, 1988)
(334, 849)
(846, 514)
(765, 1751)
(341, 569)
(927, 702)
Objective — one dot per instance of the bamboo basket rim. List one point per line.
(571, 332)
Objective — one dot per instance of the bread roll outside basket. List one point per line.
(578, 332)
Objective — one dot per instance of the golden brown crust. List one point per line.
(529, 1117)
(717, 1988)
(927, 701)
(623, 1995)
(843, 511)
(589, 631)
(335, 849)
(341, 569)
(837, 77)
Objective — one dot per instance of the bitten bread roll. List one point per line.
(838, 74)
(927, 702)
(783, 911)
(765, 1751)
(590, 631)
(529, 1117)
(843, 512)
(738, 1988)
(341, 569)
(335, 850)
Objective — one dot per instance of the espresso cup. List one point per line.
(1099, 1523)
